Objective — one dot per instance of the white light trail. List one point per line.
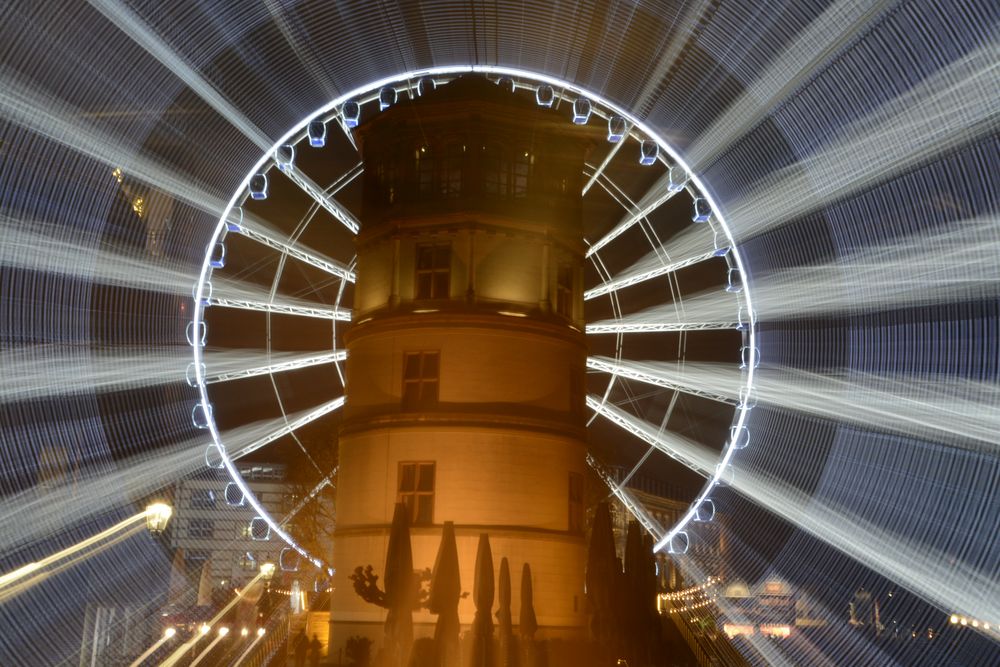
(948, 264)
(262, 233)
(919, 567)
(229, 294)
(57, 121)
(59, 250)
(240, 364)
(622, 492)
(708, 310)
(810, 50)
(139, 31)
(32, 514)
(951, 108)
(604, 163)
(152, 649)
(684, 250)
(657, 195)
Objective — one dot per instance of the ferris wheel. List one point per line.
(665, 283)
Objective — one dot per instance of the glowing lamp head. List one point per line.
(169, 632)
(204, 629)
(157, 516)
(244, 632)
(260, 632)
(267, 571)
(223, 631)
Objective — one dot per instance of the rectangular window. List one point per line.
(433, 271)
(420, 379)
(416, 490)
(202, 498)
(575, 502)
(564, 291)
(203, 528)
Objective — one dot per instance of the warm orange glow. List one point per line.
(736, 630)
(781, 631)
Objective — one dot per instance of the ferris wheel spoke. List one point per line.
(228, 294)
(658, 194)
(234, 364)
(710, 310)
(652, 266)
(323, 483)
(604, 165)
(326, 201)
(289, 427)
(715, 382)
(260, 232)
(627, 498)
(688, 453)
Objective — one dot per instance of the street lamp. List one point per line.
(157, 516)
(267, 571)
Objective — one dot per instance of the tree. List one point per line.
(482, 595)
(400, 590)
(527, 624)
(506, 631)
(445, 592)
(603, 572)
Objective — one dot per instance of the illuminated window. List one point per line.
(433, 271)
(425, 171)
(575, 502)
(564, 291)
(416, 490)
(497, 176)
(451, 170)
(202, 528)
(522, 168)
(420, 379)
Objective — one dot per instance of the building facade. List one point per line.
(466, 359)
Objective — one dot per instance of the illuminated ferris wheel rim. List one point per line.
(330, 110)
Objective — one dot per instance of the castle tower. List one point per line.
(466, 359)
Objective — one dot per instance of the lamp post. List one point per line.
(157, 516)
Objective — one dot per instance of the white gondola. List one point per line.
(702, 210)
(739, 437)
(217, 258)
(735, 281)
(677, 179)
(234, 223)
(426, 85)
(581, 111)
(616, 128)
(258, 186)
(234, 495)
(748, 399)
(213, 458)
(289, 560)
(386, 98)
(352, 114)
(705, 511)
(721, 243)
(317, 134)
(679, 543)
(201, 415)
(545, 96)
(744, 319)
(206, 293)
(196, 335)
(259, 530)
(749, 355)
(648, 152)
(506, 83)
(724, 475)
(191, 374)
(284, 157)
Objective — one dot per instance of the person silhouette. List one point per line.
(301, 645)
(314, 650)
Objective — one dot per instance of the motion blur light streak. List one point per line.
(850, 154)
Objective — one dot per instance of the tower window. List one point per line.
(575, 502)
(433, 271)
(416, 491)
(204, 528)
(451, 170)
(522, 167)
(420, 379)
(497, 176)
(564, 291)
(425, 171)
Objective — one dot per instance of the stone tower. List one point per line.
(466, 358)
